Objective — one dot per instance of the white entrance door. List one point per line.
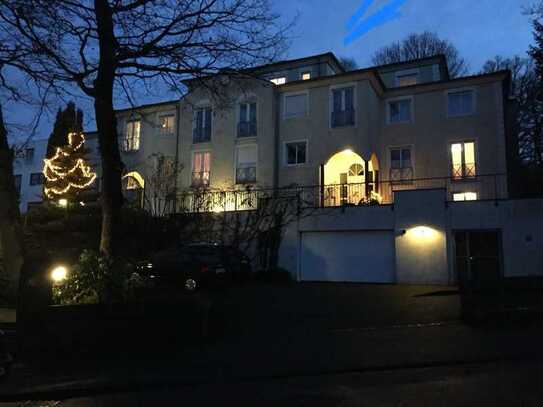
(354, 256)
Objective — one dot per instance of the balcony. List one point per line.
(245, 175)
(463, 171)
(480, 187)
(246, 129)
(200, 179)
(201, 134)
(343, 118)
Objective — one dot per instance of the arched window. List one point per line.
(356, 170)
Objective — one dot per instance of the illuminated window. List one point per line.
(460, 103)
(465, 196)
(279, 81)
(131, 141)
(296, 153)
(202, 125)
(132, 183)
(166, 124)
(399, 111)
(356, 170)
(201, 165)
(407, 79)
(246, 164)
(463, 160)
(306, 76)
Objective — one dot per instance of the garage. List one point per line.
(350, 256)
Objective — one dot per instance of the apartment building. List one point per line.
(27, 171)
(407, 166)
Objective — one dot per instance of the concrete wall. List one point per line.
(424, 226)
(421, 243)
(521, 225)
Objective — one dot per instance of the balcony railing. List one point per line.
(200, 178)
(245, 175)
(201, 134)
(480, 187)
(461, 171)
(343, 118)
(247, 129)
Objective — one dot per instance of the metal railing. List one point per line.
(247, 129)
(480, 187)
(343, 118)
(201, 134)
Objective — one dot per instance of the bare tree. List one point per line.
(348, 63)
(98, 46)
(416, 46)
(11, 235)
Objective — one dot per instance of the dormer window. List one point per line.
(279, 80)
(407, 78)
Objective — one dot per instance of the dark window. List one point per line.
(400, 111)
(36, 178)
(401, 167)
(343, 107)
(296, 153)
(202, 128)
(17, 179)
(247, 120)
(29, 155)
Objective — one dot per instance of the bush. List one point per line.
(96, 279)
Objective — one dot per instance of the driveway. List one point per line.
(266, 308)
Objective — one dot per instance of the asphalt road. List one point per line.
(493, 384)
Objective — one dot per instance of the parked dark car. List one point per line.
(195, 266)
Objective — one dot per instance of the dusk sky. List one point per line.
(480, 29)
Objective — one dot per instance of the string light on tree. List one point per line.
(66, 173)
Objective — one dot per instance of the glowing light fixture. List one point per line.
(422, 232)
(63, 202)
(59, 274)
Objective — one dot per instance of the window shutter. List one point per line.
(295, 105)
(247, 155)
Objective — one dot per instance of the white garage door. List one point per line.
(357, 256)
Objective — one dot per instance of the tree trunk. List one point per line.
(106, 123)
(11, 235)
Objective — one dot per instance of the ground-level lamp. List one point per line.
(59, 274)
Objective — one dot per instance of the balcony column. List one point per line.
(321, 186)
(366, 172)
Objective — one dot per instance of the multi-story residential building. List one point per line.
(27, 170)
(424, 156)
(350, 133)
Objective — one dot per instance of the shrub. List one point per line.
(93, 279)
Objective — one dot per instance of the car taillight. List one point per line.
(204, 269)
